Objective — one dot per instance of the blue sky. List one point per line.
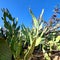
(20, 9)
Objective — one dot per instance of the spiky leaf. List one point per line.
(5, 52)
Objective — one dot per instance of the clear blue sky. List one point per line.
(20, 9)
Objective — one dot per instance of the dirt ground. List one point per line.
(55, 55)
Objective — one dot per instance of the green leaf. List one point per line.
(40, 27)
(35, 22)
(38, 40)
(5, 52)
(43, 32)
(58, 48)
(46, 55)
(40, 18)
(28, 55)
(30, 38)
(58, 39)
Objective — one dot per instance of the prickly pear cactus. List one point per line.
(5, 53)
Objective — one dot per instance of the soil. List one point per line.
(55, 55)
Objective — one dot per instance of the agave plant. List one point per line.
(22, 40)
(15, 38)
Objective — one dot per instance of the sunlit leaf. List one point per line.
(58, 39)
(38, 40)
(40, 18)
(35, 22)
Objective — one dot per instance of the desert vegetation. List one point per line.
(40, 42)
